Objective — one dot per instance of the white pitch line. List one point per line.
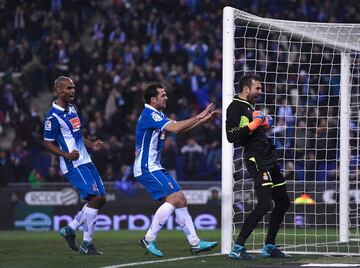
(330, 265)
(159, 261)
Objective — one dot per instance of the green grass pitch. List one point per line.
(48, 249)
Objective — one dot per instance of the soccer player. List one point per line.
(150, 135)
(63, 137)
(245, 127)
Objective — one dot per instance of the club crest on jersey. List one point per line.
(156, 117)
(94, 187)
(75, 123)
(47, 125)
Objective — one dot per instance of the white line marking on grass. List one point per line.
(158, 261)
(330, 265)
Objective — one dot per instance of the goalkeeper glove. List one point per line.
(269, 121)
(258, 119)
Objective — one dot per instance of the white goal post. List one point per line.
(311, 86)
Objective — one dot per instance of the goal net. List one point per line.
(311, 83)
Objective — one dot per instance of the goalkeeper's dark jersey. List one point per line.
(258, 148)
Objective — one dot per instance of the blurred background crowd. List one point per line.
(111, 49)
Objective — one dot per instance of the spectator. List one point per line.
(169, 156)
(54, 175)
(192, 152)
(6, 170)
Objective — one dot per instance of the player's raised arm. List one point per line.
(180, 126)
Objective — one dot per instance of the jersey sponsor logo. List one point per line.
(47, 125)
(75, 123)
(156, 117)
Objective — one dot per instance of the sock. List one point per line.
(185, 222)
(78, 220)
(89, 223)
(160, 217)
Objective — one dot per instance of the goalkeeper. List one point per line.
(245, 127)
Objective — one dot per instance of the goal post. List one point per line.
(311, 82)
(227, 158)
(344, 147)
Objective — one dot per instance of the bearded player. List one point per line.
(63, 137)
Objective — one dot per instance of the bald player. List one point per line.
(63, 137)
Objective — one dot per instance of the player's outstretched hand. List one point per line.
(74, 155)
(207, 111)
(211, 116)
(98, 145)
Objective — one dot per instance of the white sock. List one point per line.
(89, 222)
(78, 220)
(160, 217)
(185, 222)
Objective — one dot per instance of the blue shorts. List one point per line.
(159, 184)
(86, 179)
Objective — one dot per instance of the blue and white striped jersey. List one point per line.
(64, 127)
(150, 137)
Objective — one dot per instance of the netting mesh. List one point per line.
(300, 64)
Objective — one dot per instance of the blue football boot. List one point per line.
(272, 251)
(150, 247)
(239, 253)
(88, 248)
(69, 235)
(202, 246)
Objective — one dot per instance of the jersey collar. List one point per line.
(150, 107)
(237, 98)
(57, 107)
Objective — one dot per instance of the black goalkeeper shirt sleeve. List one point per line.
(237, 119)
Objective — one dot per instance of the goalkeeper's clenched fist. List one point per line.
(260, 119)
(269, 122)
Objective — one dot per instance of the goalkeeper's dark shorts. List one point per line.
(265, 171)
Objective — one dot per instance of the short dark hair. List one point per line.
(247, 80)
(151, 91)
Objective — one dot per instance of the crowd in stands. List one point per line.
(111, 49)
